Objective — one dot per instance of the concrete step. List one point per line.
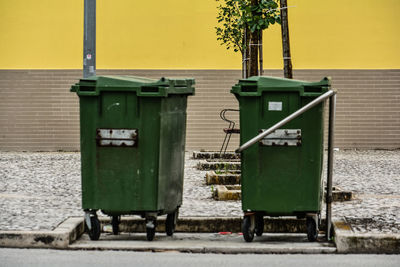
(224, 178)
(215, 155)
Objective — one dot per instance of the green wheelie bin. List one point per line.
(132, 148)
(281, 175)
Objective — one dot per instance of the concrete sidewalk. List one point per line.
(204, 235)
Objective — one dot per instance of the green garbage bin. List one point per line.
(281, 175)
(132, 148)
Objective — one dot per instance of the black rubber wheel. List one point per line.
(248, 233)
(115, 220)
(150, 233)
(170, 223)
(94, 233)
(259, 229)
(312, 229)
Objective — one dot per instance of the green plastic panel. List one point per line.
(281, 180)
(145, 177)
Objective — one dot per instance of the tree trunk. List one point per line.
(253, 46)
(245, 53)
(287, 61)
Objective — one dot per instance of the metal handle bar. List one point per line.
(222, 115)
(285, 120)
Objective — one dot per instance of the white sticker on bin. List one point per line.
(275, 106)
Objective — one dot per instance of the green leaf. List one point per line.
(234, 15)
(271, 20)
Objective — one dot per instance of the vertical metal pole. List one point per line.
(89, 38)
(332, 111)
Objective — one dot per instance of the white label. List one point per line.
(277, 106)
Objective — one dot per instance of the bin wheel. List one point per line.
(170, 223)
(312, 229)
(115, 220)
(259, 225)
(94, 233)
(151, 225)
(150, 233)
(248, 233)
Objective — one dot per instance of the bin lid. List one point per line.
(254, 86)
(142, 86)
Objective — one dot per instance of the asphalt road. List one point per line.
(43, 257)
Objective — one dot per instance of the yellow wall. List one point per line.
(41, 34)
(176, 34)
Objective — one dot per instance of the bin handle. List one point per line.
(295, 114)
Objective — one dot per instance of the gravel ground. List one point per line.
(40, 190)
(374, 176)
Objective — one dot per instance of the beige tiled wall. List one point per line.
(38, 113)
